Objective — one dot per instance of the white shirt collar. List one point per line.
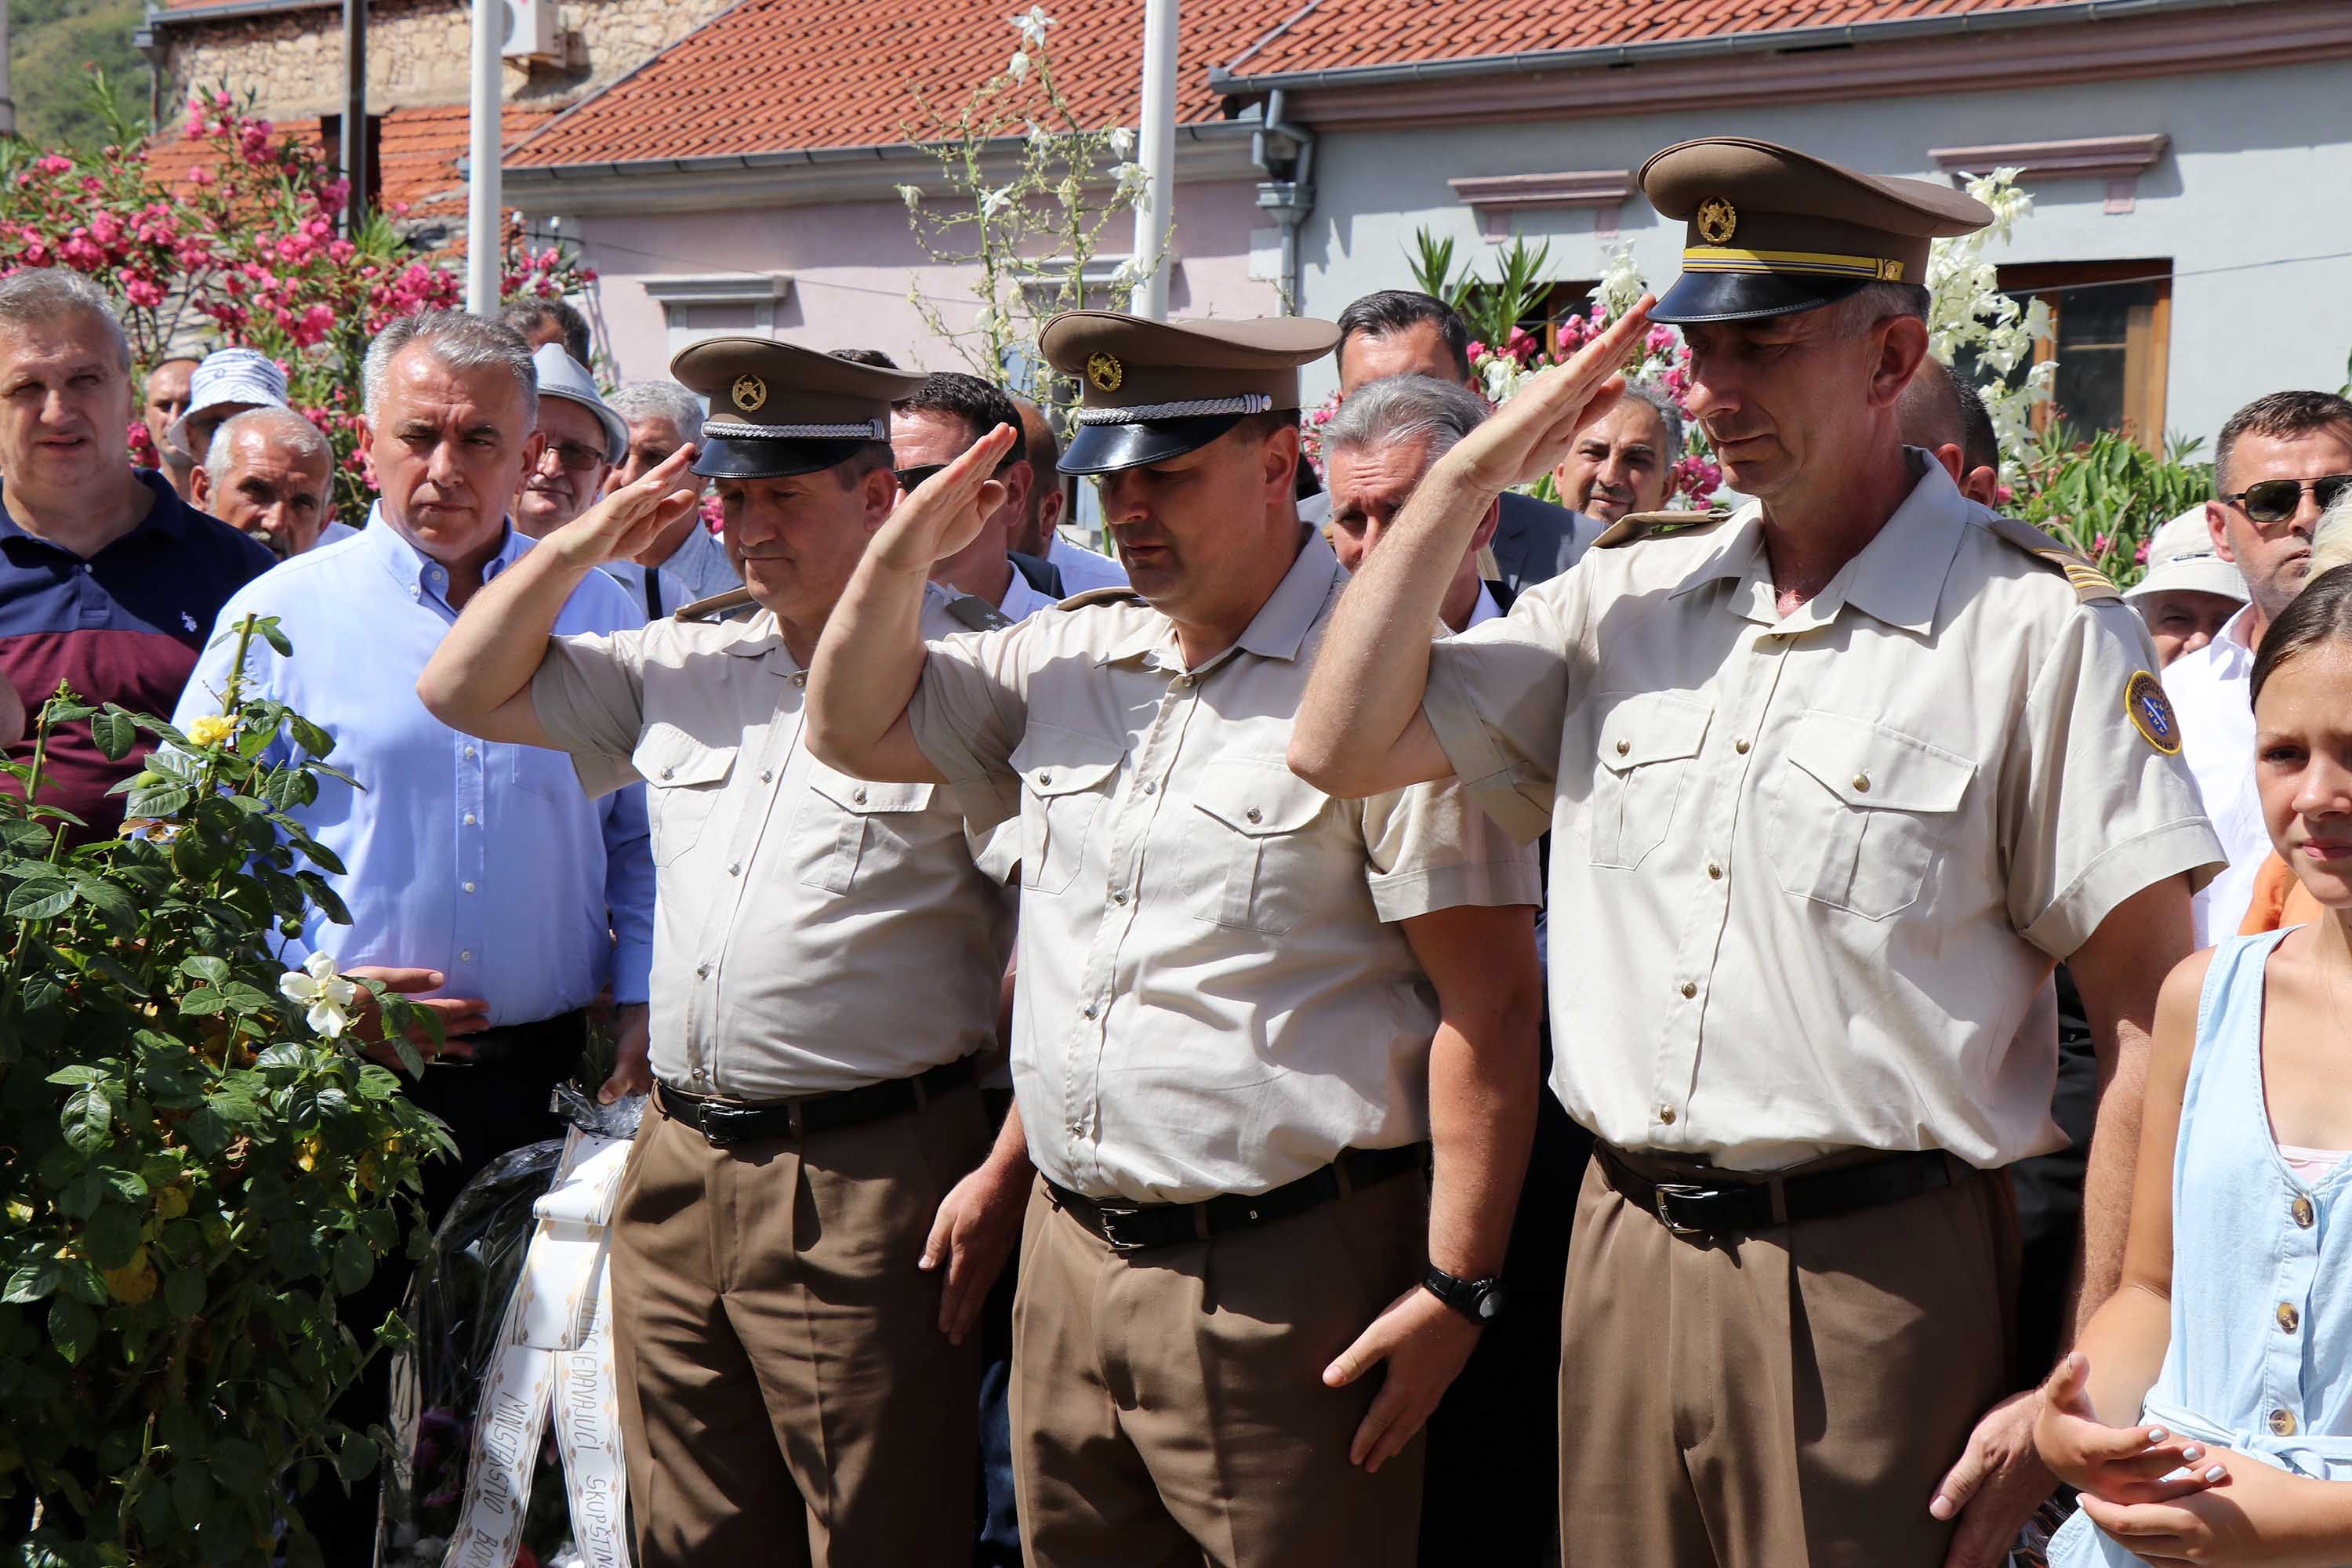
(1022, 601)
(1485, 609)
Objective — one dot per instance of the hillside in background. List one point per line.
(51, 46)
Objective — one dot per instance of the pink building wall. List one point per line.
(851, 263)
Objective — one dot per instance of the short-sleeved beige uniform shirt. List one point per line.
(1213, 997)
(812, 932)
(1807, 874)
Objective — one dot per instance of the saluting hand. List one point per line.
(1424, 1343)
(625, 524)
(1529, 435)
(944, 512)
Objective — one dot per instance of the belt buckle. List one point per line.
(1666, 1194)
(720, 1119)
(1107, 1218)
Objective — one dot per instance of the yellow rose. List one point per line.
(212, 728)
(134, 1282)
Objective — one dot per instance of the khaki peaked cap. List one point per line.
(1153, 390)
(778, 409)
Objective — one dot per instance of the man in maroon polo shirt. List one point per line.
(108, 579)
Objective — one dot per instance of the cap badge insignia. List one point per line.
(751, 391)
(1718, 220)
(1105, 371)
(2150, 713)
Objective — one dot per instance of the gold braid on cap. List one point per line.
(735, 430)
(1197, 408)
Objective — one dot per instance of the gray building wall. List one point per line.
(2259, 171)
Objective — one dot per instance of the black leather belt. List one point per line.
(1730, 1203)
(1131, 1227)
(727, 1122)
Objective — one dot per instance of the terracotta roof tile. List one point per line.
(416, 154)
(790, 75)
(1338, 34)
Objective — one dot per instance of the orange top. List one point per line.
(2279, 900)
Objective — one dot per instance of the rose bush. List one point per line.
(196, 1160)
(246, 244)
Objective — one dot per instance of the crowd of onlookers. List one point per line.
(483, 879)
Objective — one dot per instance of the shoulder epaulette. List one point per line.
(717, 606)
(1635, 526)
(2091, 586)
(978, 614)
(1109, 594)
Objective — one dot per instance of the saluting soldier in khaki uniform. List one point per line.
(827, 954)
(1832, 784)
(1245, 1007)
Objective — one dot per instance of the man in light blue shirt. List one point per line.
(481, 870)
(662, 417)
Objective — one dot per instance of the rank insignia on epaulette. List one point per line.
(1640, 525)
(717, 606)
(978, 614)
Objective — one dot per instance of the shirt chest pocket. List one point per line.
(1860, 812)
(1250, 859)
(1647, 744)
(1067, 776)
(845, 824)
(683, 779)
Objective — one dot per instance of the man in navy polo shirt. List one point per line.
(109, 581)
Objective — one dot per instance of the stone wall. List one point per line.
(418, 53)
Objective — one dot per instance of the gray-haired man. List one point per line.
(1376, 448)
(1624, 461)
(270, 474)
(1494, 1441)
(662, 417)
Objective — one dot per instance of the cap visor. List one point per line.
(1749, 296)
(723, 458)
(1108, 448)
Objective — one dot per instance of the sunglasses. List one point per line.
(909, 477)
(575, 457)
(2277, 500)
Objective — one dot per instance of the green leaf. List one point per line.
(355, 1264)
(308, 736)
(185, 1292)
(164, 800)
(88, 1120)
(79, 1197)
(78, 1073)
(114, 733)
(355, 1458)
(32, 1281)
(204, 967)
(40, 899)
(180, 1427)
(266, 629)
(128, 1185)
(114, 1235)
(73, 1327)
(202, 1001)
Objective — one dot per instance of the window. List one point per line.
(696, 307)
(2113, 324)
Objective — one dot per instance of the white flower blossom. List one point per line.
(1121, 141)
(327, 993)
(1620, 282)
(1132, 181)
(1031, 24)
(911, 196)
(1066, 193)
(985, 322)
(992, 202)
(1017, 68)
(1039, 137)
(1126, 273)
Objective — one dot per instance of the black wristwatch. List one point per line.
(1480, 1300)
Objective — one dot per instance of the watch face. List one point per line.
(1490, 1301)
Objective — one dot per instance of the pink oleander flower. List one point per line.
(1660, 341)
(2140, 555)
(142, 292)
(2100, 543)
(53, 163)
(201, 174)
(1521, 344)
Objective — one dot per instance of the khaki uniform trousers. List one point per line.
(786, 1396)
(1168, 1407)
(1786, 1397)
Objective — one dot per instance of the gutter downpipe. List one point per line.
(1287, 201)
